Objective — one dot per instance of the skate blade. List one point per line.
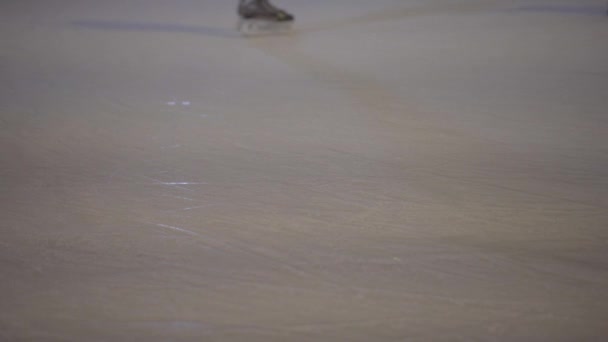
(261, 27)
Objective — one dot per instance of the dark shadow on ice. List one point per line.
(155, 27)
(579, 10)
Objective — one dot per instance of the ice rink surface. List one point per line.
(391, 170)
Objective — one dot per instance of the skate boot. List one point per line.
(260, 16)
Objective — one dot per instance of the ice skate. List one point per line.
(261, 17)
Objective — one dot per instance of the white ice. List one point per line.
(412, 170)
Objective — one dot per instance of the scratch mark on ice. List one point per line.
(191, 208)
(181, 197)
(176, 229)
(173, 184)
